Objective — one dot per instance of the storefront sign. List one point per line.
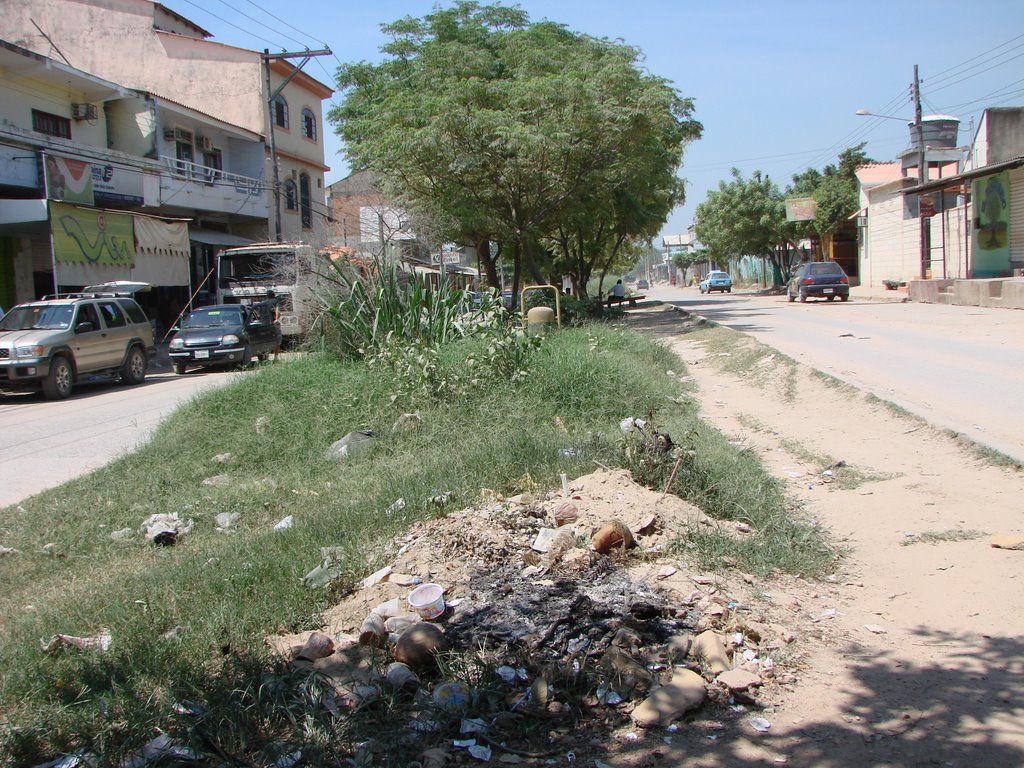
(991, 236)
(90, 236)
(92, 182)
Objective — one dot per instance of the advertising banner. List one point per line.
(68, 179)
(92, 182)
(800, 208)
(90, 236)
(991, 236)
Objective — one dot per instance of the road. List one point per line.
(46, 443)
(960, 368)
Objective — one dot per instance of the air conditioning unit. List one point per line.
(178, 134)
(204, 143)
(84, 111)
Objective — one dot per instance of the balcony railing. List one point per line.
(201, 174)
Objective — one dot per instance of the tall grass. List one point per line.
(188, 621)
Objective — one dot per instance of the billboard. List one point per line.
(91, 236)
(800, 208)
(91, 182)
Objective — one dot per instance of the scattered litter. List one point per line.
(285, 523)
(760, 725)
(875, 628)
(225, 520)
(375, 578)
(665, 571)
(164, 529)
(221, 458)
(396, 506)
(163, 747)
(506, 673)
(261, 424)
(122, 534)
(473, 725)
(569, 453)
(8, 551)
(100, 642)
(630, 423)
(829, 613)
(480, 752)
(794, 474)
(441, 499)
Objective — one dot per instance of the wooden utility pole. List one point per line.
(922, 176)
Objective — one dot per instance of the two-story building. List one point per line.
(146, 46)
(98, 182)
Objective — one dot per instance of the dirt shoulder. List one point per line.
(913, 654)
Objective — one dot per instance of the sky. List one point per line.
(776, 85)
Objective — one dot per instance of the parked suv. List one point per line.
(56, 342)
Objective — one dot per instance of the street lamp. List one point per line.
(922, 167)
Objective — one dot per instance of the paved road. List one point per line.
(958, 367)
(46, 443)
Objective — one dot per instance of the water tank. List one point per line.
(940, 131)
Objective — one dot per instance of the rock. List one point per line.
(350, 444)
(318, 646)
(218, 481)
(685, 692)
(679, 645)
(710, 648)
(1008, 542)
(737, 680)
(611, 535)
(418, 646)
(627, 675)
(221, 458)
(407, 422)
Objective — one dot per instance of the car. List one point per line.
(224, 335)
(54, 343)
(818, 279)
(716, 281)
(643, 285)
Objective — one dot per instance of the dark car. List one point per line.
(642, 285)
(224, 335)
(819, 279)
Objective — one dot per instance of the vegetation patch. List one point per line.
(937, 537)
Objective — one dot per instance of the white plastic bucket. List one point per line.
(427, 600)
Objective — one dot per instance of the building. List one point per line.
(964, 224)
(146, 46)
(92, 189)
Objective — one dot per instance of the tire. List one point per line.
(831, 298)
(59, 381)
(844, 298)
(728, 290)
(133, 370)
(179, 368)
(803, 298)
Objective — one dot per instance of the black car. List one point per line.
(225, 334)
(819, 279)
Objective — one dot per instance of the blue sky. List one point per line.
(776, 84)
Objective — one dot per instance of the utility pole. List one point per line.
(922, 175)
(266, 57)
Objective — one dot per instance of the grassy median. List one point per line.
(187, 621)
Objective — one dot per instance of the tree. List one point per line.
(746, 217)
(526, 134)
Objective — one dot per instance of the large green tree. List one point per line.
(746, 217)
(834, 191)
(554, 144)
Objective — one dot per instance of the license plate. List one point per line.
(826, 290)
(202, 354)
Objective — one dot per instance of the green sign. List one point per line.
(91, 236)
(991, 237)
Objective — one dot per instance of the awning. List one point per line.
(213, 237)
(952, 182)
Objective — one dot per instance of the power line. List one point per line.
(232, 24)
(295, 29)
(987, 69)
(243, 13)
(951, 72)
(998, 93)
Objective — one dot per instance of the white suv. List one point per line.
(54, 343)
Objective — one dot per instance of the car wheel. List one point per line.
(728, 290)
(803, 298)
(134, 369)
(830, 298)
(179, 368)
(57, 384)
(844, 298)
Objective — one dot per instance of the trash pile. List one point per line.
(532, 627)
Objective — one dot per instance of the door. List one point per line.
(116, 333)
(88, 346)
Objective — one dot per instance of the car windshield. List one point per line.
(718, 275)
(37, 316)
(214, 318)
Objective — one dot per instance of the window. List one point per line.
(51, 125)
(87, 314)
(308, 124)
(290, 201)
(305, 202)
(279, 110)
(113, 317)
